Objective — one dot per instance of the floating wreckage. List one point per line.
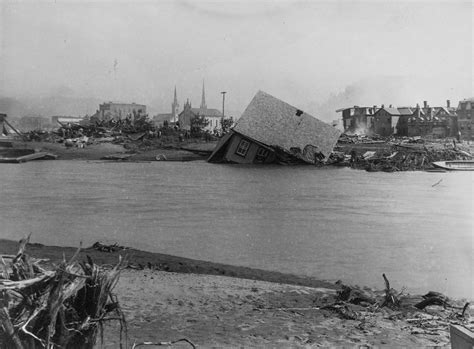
(272, 131)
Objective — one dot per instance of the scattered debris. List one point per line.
(29, 157)
(108, 248)
(392, 154)
(438, 182)
(429, 314)
(136, 345)
(55, 308)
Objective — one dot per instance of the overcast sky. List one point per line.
(301, 52)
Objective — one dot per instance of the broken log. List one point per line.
(391, 299)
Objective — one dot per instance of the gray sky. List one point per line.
(302, 52)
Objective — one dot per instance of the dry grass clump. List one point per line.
(61, 308)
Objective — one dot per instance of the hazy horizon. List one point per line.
(318, 56)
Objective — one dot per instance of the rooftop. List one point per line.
(273, 122)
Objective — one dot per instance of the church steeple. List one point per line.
(175, 107)
(203, 100)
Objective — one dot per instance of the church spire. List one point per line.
(203, 100)
(175, 107)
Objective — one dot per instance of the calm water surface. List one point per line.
(330, 223)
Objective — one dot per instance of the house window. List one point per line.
(243, 148)
(262, 155)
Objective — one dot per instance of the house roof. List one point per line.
(162, 117)
(448, 111)
(206, 112)
(391, 111)
(275, 123)
(405, 111)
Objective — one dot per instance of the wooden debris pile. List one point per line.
(108, 248)
(346, 138)
(398, 157)
(429, 314)
(60, 308)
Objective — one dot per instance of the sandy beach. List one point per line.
(166, 298)
(219, 311)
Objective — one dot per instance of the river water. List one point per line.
(329, 223)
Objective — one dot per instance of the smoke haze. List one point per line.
(65, 57)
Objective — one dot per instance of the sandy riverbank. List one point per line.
(217, 305)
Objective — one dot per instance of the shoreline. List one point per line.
(166, 298)
(143, 260)
(381, 156)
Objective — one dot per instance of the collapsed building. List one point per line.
(438, 122)
(272, 131)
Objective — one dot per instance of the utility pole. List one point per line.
(223, 102)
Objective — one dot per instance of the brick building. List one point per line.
(111, 110)
(465, 121)
(357, 119)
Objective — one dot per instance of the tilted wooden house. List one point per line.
(271, 130)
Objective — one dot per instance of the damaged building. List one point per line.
(272, 131)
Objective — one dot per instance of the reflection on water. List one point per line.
(330, 223)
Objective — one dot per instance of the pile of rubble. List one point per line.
(346, 138)
(59, 308)
(430, 314)
(396, 154)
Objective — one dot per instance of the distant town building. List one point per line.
(433, 121)
(111, 110)
(3, 130)
(465, 121)
(402, 121)
(172, 117)
(213, 116)
(385, 121)
(357, 120)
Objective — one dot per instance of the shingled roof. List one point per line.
(405, 110)
(206, 112)
(277, 124)
(390, 110)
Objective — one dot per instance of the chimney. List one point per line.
(425, 104)
(390, 106)
(448, 103)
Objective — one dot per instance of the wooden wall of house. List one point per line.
(251, 153)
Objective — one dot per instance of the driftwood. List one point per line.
(136, 345)
(107, 248)
(391, 299)
(432, 298)
(61, 308)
